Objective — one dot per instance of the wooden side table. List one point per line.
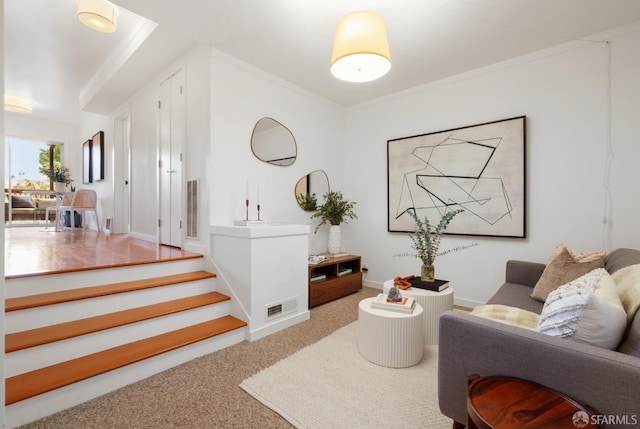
(496, 402)
(342, 276)
(390, 338)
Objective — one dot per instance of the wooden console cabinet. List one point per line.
(334, 285)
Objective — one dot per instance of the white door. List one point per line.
(122, 175)
(126, 194)
(171, 131)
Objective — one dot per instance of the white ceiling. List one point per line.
(63, 66)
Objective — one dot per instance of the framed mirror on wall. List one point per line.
(273, 143)
(309, 188)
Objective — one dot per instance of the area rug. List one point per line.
(330, 385)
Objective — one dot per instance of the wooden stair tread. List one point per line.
(48, 334)
(23, 386)
(31, 301)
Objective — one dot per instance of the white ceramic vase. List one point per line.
(59, 186)
(335, 239)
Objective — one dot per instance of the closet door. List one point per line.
(171, 132)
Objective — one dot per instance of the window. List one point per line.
(26, 165)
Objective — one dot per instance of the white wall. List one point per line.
(563, 93)
(198, 136)
(2, 215)
(25, 127)
(144, 158)
(91, 124)
(241, 95)
(625, 142)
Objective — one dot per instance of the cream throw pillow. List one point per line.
(627, 281)
(586, 310)
(603, 320)
(561, 270)
(564, 306)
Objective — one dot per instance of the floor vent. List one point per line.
(280, 309)
(192, 208)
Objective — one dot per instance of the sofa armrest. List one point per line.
(523, 272)
(603, 379)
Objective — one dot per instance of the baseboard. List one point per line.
(196, 248)
(467, 303)
(369, 283)
(278, 325)
(145, 237)
(222, 286)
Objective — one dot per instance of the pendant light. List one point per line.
(17, 104)
(99, 15)
(360, 48)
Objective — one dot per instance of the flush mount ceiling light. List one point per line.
(17, 104)
(99, 15)
(360, 48)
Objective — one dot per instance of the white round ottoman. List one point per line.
(390, 338)
(433, 304)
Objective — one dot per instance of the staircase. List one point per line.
(75, 336)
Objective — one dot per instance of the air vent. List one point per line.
(280, 309)
(192, 208)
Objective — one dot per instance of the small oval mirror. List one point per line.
(309, 187)
(273, 143)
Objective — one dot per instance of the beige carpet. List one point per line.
(329, 385)
(205, 392)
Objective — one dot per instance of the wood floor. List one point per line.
(33, 251)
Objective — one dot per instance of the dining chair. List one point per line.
(84, 200)
(61, 200)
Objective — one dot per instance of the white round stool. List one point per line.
(433, 303)
(390, 338)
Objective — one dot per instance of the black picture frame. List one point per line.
(479, 168)
(97, 157)
(87, 168)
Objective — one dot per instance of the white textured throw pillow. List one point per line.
(587, 310)
(603, 320)
(564, 306)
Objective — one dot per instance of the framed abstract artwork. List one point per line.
(477, 168)
(86, 162)
(97, 157)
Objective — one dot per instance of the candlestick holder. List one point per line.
(247, 221)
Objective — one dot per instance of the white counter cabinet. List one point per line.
(265, 269)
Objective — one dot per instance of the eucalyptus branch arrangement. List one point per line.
(426, 240)
(334, 210)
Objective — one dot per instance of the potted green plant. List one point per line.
(58, 175)
(334, 210)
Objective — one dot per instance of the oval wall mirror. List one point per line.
(311, 187)
(273, 143)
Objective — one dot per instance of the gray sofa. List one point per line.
(608, 381)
